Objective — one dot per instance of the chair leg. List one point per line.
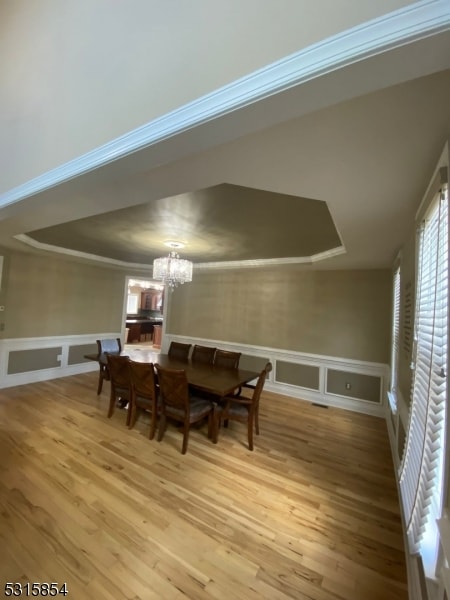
(128, 409)
(214, 423)
(257, 421)
(210, 422)
(132, 414)
(185, 438)
(162, 427)
(152, 425)
(112, 401)
(103, 374)
(250, 433)
(100, 383)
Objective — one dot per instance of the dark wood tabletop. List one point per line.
(214, 380)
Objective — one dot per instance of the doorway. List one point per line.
(143, 311)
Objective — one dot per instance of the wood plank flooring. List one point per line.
(311, 514)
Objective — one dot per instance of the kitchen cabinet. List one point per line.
(141, 330)
(157, 336)
(152, 299)
(134, 333)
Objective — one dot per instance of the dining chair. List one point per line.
(203, 354)
(113, 345)
(245, 409)
(144, 393)
(179, 350)
(227, 359)
(119, 374)
(178, 404)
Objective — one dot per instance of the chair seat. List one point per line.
(198, 407)
(144, 401)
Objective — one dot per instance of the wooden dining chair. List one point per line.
(178, 404)
(179, 350)
(119, 374)
(144, 393)
(227, 359)
(203, 354)
(245, 409)
(112, 345)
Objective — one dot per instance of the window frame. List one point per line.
(395, 337)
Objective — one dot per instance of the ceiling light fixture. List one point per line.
(172, 270)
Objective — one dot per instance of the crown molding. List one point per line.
(26, 239)
(271, 262)
(406, 25)
(234, 264)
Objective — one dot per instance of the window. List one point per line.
(133, 304)
(395, 340)
(421, 469)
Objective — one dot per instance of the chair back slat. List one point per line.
(179, 350)
(203, 354)
(119, 374)
(144, 394)
(227, 359)
(142, 376)
(109, 345)
(174, 388)
(260, 385)
(119, 370)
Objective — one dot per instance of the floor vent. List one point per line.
(319, 405)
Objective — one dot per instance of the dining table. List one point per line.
(216, 381)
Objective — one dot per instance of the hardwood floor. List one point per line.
(311, 514)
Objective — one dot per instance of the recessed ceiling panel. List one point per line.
(221, 223)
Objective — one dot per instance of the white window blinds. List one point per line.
(420, 471)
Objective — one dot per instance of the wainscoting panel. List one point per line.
(305, 376)
(311, 377)
(22, 361)
(26, 360)
(354, 385)
(76, 353)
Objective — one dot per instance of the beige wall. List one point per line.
(47, 296)
(76, 75)
(336, 313)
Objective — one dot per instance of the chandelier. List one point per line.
(172, 270)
